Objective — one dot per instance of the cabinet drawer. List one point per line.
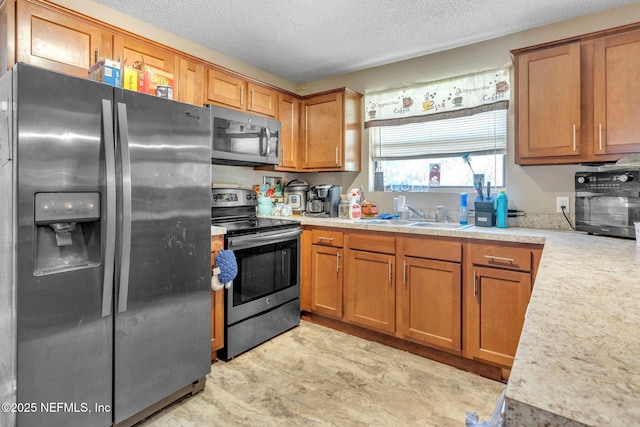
(433, 248)
(372, 243)
(504, 256)
(327, 238)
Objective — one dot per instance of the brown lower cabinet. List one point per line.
(327, 263)
(447, 298)
(430, 295)
(498, 287)
(217, 303)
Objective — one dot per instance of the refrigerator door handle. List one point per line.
(125, 161)
(110, 245)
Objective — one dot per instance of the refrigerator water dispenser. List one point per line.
(67, 231)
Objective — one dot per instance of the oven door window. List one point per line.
(264, 270)
(609, 211)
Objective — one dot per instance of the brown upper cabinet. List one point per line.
(228, 90)
(330, 131)
(320, 132)
(574, 99)
(289, 117)
(189, 81)
(129, 51)
(50, 38)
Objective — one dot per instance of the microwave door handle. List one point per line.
(267, 135)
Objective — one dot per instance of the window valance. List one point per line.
(451, 98)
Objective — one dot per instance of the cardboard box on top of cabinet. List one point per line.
(154, 77)
(106, 71)
(133, 79)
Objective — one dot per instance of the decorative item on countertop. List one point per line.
(502, 210)
(225, 271)
(354, 203)
(265, 206)
(464, 209)
(369, 209)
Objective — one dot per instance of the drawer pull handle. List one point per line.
(404, 273)
(499, 258)
(328, 239)
(475, 285)
(600, 136)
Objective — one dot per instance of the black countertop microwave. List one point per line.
(243, 139)
(608, 202)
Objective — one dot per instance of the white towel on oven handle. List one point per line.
(216, 284)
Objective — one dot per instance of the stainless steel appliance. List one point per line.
(295, 194)
(608, 202)
(104, 265)
(324, 200)
(264, 299)
(243, 139)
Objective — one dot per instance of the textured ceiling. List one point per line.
(305, 40)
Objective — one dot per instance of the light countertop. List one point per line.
(578, 360)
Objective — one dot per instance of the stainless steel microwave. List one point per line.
(243, 139)
(608, 202)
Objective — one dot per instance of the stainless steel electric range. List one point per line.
(264, 299)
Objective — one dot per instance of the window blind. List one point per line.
(485, 132)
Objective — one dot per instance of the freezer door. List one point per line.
(162, 325)
(64, 343)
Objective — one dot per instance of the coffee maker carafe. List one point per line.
(324, 200)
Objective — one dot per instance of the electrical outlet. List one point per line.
(562, 201)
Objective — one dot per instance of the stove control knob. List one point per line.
(248, 196)
(581, 180)
(623, 178)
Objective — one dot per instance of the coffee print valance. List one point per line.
(462, 96)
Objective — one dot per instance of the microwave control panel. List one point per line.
(608, 181)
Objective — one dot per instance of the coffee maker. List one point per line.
(323, 200)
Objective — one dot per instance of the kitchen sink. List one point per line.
(388, 221)
(445, 225)
(413, 223)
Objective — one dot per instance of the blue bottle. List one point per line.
(464, 210)
(502, 211)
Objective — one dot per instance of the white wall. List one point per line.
(530, 188)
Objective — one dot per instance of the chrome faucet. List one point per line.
(441, 214)
(411, 210)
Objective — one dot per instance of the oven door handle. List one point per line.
(259, 239)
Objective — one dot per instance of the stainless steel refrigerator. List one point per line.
(105, 251)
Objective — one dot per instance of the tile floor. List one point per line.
(316, 376)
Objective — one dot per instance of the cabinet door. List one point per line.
(326, 280)
(58, 41)
(130, 51)
(616, 87)
(431, 302)
(370, 290)
(261, 99)
(548, 103)
(500, 300)
(189, 80)
(217, 303)
(289, 115)
(225, 89)
(322, 127)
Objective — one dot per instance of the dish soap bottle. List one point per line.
(464, 210)
(502, 209)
